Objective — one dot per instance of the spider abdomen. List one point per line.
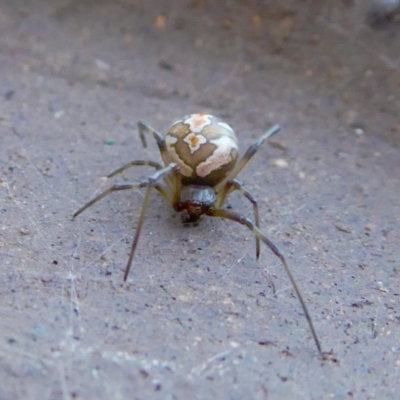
(204, 147)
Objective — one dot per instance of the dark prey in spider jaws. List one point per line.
(200, 154)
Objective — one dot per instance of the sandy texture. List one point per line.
(199, 318)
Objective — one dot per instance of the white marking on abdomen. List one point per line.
(194, 141)
(220, 157)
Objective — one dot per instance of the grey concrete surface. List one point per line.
(199, 317)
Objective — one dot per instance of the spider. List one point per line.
(200, 154)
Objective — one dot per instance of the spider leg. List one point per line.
(153, 164)
(144, 127)
(230, 187)
(120, 186)
(150, 184)
(247, 156)
(259, 234)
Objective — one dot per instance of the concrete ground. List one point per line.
(199, 317)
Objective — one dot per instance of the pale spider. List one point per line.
(199, 154)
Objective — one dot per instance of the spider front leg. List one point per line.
(230, 187)
(174, 199)
(117, 187)
(260, 235)
(134, 163)
(247, 156)
(123, 186)
(143, 128)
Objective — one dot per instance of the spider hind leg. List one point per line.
(259, 234)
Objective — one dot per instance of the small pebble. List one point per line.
(280, 163)
(109, 142)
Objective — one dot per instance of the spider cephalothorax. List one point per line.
(195, 202)
(200, 154)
